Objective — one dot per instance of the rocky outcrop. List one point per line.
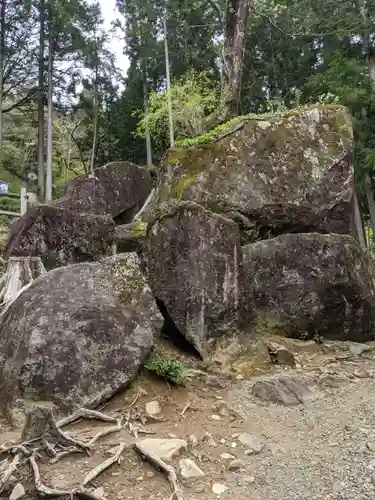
(289, 173)
(311, 286)
(118, 189)
(78, 334)
(60, 237)
(193, 260)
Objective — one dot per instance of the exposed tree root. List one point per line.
(178, 494)
(104, 465)
(64, 453)
(41, 488)
(105, 432)
(42, 433)
(12, 467)
(85, 413)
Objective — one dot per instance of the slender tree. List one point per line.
(41, 100)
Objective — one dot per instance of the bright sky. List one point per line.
(117, 44)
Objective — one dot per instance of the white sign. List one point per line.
(3, 187)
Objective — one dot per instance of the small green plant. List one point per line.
(169, 369)
(193, 98)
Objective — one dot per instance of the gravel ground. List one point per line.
(321, 450)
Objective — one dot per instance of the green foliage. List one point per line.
(217, 132)
(169, 369)
(193, 98)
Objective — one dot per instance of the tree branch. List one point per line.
(20, 102)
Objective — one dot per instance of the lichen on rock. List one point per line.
(287, 173)
(311, 286)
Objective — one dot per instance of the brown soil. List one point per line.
(304, 444)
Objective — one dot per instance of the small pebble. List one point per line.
(222, 441)
(193, 440)
(150, 474)
(99, 492)
(153, 408)
(139, 478)
(240, 377)
(209, 440)
(215, 417)
(234, 444)
(219, 489)
(188, 469)
(172, 436)
(235, 464)
(252, 442)
(227, 456)
(361, 374)
(249, 479)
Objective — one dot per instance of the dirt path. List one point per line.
(324, 449)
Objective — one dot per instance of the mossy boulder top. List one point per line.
(287, 173)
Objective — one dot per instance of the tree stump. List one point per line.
(39, 423)
(21, 271)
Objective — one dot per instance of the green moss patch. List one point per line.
(232, 125)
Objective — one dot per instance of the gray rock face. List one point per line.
(193, 260)
(118, 189)
(253, 443)
(291, 173)
(165, 449)
(286, 390)
(78, 334)
(60, 237)
(307, 285)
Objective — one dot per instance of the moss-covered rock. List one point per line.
(310, 286)
(288, 173)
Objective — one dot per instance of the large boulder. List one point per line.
(193, 260)
(289, 173)
(78, 334)
(311, 286)
(118, 189)
(60, 237)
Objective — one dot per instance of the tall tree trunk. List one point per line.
(236, 20)
(370, 58)
(41, 101)
(147, 131)
(358, 221)
(2, 54)
(168, 79)
(49, 115)
(95, 121)
(370, 201)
